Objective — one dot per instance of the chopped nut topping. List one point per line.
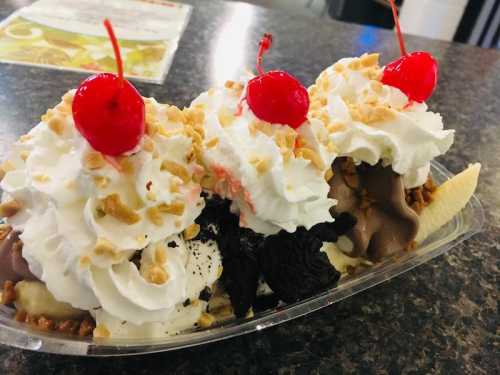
(312, 156)
(93, 160)
(377, 87)
(56, 124)
(152, 127)
(206, 320)
(113, 206)
(6, 166)
(24, 155)
(101, 181)
(371, 59)
(148, 145)
(25, 138)
(105, 248)
(68, 97)
(369, 114)
(156, 274)
(100, 331)
(63, 108)
(174, 208)
(174, 114)
(194, 116)
(85, 261)
(225, 116)
(212, 143)
(154, 215)
(10, 208)
(260, 126)
(208, 182)
(176, 170)
(41, 178)
(339, 68)
(126, 164)
(354, 64)
(160, 256)
(261, 165)
(191, 232)
(195, 136)
(174, 187)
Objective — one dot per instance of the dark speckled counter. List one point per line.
(439, 318)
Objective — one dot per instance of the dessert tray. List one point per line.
(464, 225)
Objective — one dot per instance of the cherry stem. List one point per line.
(398, 28)
(116, 49)
(264, 45)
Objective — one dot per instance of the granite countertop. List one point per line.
(439, 318)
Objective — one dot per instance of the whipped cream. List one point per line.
(274, 175)
(371, 122)
(83, 216)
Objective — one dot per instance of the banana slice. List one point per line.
(339, 260)
(35, 299)
(449, 199)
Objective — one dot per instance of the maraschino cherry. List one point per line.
(415, 73)
(276, 96)
(108, 111)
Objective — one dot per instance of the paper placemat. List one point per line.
(69, 35)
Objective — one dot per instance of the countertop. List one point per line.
(441, 317)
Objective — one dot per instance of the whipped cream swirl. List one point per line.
(83, 216)
(371, 122)
(274, 175)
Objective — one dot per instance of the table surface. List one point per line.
(441, 317)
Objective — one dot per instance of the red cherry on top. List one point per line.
(108, 111)
(415, 74)
(276, 97)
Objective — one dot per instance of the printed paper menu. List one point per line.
(68, 34)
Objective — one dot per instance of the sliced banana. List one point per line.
(34, 298)
(448, 200)
(339, 260)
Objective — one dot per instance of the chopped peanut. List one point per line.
(156, 274)
(174, 114)
(101, 181)
(174, 208)
(154, 215)
(24, 155)
(105, 248)
(160, 254)
(93, 160)
(371, 59)
(191, 232)
(41, 178)
(113, 206)
(206, 320)
(312, 156)
(176, 170)
(56, 124)
(212, 143)
(225, 116)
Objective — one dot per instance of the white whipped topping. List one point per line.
(269, 186)
(372, 122)
(81, 250)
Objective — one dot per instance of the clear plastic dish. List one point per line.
(462, 227)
